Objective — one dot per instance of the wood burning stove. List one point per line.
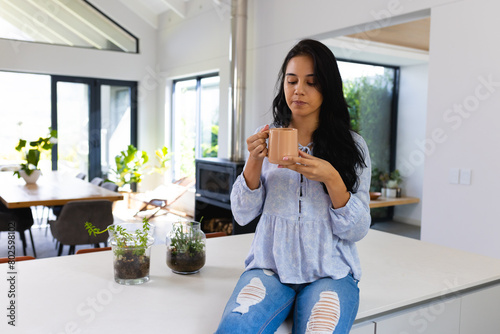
(214, 182)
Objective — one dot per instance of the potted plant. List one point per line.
(29, 170)
(391, 183)
(130, 166)
(162, 157)
(131, 244)
(186, 248)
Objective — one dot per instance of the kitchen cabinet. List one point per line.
(367, 328)
(479, 312)
(440, 317)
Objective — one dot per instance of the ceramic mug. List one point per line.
(282, 142)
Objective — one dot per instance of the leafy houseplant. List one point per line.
(186, 248)
(162, 157)
(130, 166)
(131, 243)
(391, 180)
(33, 153)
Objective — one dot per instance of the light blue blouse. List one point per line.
(300, 236)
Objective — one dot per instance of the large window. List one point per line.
(95, 119)
(195, 122)
(371, 93)
(25, 113)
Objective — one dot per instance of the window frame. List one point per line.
(198, 78)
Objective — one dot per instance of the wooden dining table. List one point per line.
(52, 188)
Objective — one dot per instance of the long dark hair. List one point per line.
(332, 139)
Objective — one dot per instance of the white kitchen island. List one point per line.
(408, 286)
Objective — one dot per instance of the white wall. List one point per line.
(410, 148)
(196, 45)
(464, 58)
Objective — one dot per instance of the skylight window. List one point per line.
(63, 22)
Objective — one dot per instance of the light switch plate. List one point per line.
(454, 175)
(465, 176)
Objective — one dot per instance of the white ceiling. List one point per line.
(150, 10)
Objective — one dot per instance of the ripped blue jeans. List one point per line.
(260, 303)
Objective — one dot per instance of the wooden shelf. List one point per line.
(382, 202)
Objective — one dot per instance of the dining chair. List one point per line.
(81, 176)
(56, 210)
(110, 186)
(92, 250)
(164, 196)
(21, 219)
(97, 181)
(16, 259)
(69, 228)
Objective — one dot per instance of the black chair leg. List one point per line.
(23, 241)
(71, 250)
(59, 252)
(32, 242)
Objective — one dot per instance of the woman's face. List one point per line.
(301, 89)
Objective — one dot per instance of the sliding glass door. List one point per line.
(116, 122)
(73, 127)
(95, 119)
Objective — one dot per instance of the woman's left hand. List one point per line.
(311, 167)
(320, 170)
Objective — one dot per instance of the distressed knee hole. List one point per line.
(253, 293)
(325, 314)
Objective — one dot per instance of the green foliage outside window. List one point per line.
(211, 151)
(369, 100)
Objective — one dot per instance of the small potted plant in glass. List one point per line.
(131, 244)
(186, 247)
(29, 170)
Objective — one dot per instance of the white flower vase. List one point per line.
(32, 178)
(391, 192)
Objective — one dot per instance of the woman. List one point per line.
(303, 256)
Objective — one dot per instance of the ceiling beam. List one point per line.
(143, 12)
(178, 6)
(99, 24)
(31, 21)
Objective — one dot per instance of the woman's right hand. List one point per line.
(256, 144)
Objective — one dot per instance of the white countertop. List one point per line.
(71, 293)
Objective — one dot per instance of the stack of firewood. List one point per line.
(218, 225)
